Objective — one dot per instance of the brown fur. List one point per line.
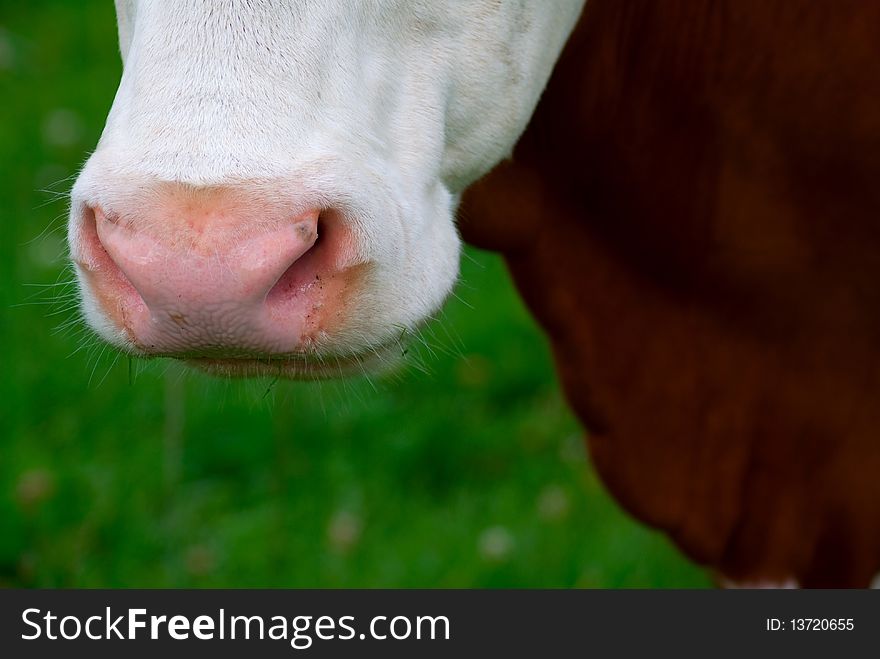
(693, 216)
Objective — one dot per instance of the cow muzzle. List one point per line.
(230, 285)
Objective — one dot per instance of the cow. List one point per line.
(690, 214)
(275, 188)
(693, 216)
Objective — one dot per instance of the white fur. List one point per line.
(387, 109)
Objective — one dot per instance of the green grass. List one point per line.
(111, 474)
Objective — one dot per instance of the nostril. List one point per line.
(90, 249)
(320, 229)
(108, 227)
(87, 250)
(108, 285)
(331, 256)
(301, 272)
(119, 244)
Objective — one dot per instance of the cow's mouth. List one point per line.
(301, 366)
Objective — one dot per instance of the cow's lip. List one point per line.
(298, 366)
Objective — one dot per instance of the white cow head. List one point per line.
(275, 187)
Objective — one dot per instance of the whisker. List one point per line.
(109, 368)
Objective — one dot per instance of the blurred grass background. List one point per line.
(139, 475)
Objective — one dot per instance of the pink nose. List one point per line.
(211, 283)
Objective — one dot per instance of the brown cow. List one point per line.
(693, 215)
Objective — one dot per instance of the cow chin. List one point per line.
(238, 283)
(304, 367)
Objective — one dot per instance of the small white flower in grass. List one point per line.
(495, 543)
(553, 503)
(344, 530)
